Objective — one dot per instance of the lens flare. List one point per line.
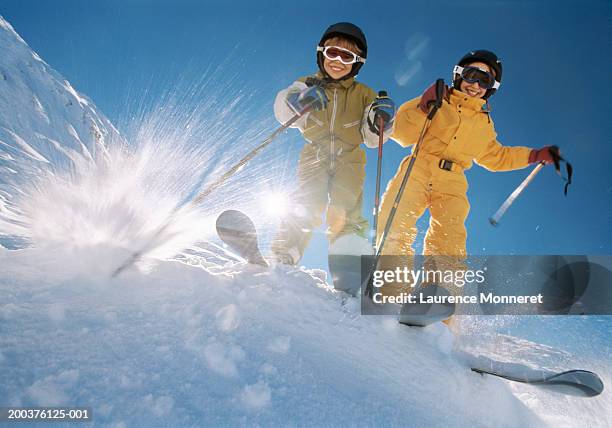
(275, 204)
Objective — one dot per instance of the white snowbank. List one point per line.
(184, 346)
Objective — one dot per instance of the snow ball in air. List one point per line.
(256, 396)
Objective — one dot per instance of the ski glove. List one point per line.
(544, 154)
(312, 98)
(382, 107)
(429, 97)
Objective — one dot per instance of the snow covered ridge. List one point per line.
(46, 126)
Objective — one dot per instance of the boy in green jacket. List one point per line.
(341, 114)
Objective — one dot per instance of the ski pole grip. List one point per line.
(382, 94)
(439, 97)
(305, 110)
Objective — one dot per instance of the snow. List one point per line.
(280, 345)
(228, 318)
(257, 396)
(192, 336)
(52, 390)
(167, 347)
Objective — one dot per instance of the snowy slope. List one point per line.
(209, 341)
(45, 125)
(202, 339)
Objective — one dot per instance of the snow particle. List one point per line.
(319, 274)
(256, 396)
(51, 391)
(219, 360)
(104, 409)
(110, 317)
(280, 345)
(9, 310)
(161, 406)
(227, 318)
(268, 369)
(56, 313)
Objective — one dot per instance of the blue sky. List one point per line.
(555, 90)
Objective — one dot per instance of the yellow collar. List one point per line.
(458, 97)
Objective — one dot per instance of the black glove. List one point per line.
(383, 108)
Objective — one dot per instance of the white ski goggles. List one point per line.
(345, 56)
(472, 74)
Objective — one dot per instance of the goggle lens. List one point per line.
(336, 53)
(473, 74)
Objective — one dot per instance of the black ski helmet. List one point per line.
(350, 31)
(488, 58)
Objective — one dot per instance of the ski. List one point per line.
(349, 255)
(237, 230)
(582, 383)
(345, 272)
(424, 314)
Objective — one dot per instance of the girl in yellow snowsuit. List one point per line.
(461, 132)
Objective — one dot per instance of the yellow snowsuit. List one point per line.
(461, 132)
(331, 169)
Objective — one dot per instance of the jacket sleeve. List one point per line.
(497, 157)
(371, 138)
(283, 111)
(408, 123)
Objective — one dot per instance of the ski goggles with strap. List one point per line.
(345, 56)
(471, 74)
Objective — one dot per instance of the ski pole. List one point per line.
(494, 220)
(137, 255)
(400, 192)
(557, 159)
(242, 162)
(381, 122)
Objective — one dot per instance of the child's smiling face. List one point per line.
(336, 69)
(474, 89)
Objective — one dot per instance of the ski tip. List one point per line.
(587, 383)
(578, 383)
(493, 222)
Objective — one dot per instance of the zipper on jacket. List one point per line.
(331, 131)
